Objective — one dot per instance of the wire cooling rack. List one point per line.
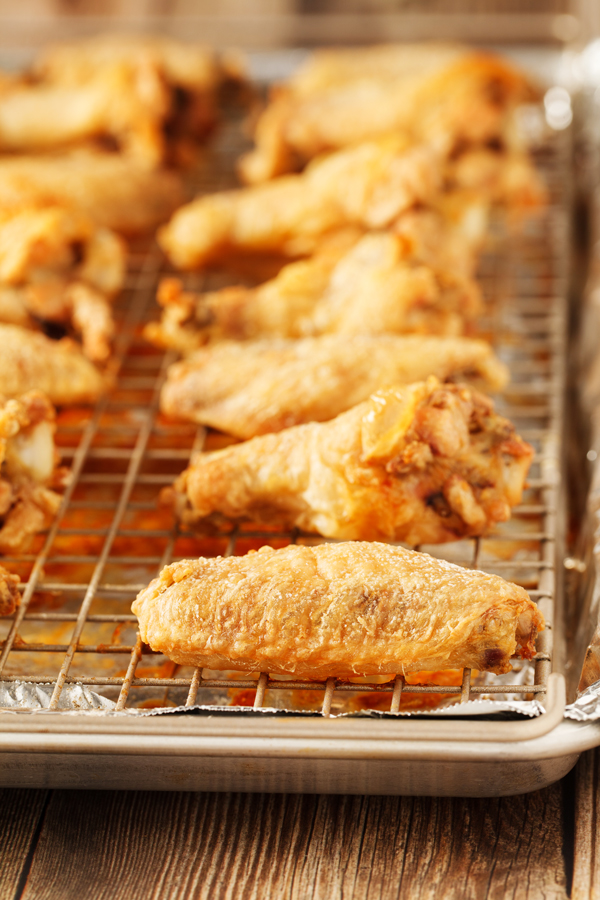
(110, 538)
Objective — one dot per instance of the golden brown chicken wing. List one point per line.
(28, 472)
(10, 598)
(341, 98)
(153, 98)
(425, 463)
(111, 189)
(174, 82)
(262, 386)
(371, 288)
(368, 186)
(31, 361)
(336, 610)
(56, 265)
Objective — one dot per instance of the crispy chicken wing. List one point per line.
(368, 186)
(56, 265)
(151, 97)
(31, 361)
(176, 81)
(426, 463)
(28, 472)
(261, 386)
(111, 189)
(336, 610)
(344, 97)
(371, 288)
(10, 598)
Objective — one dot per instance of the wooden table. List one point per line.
(84, 845)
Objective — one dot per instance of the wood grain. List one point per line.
(586, 862)
(20, 812)
(109, 845)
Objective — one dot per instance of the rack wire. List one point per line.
(109, 538)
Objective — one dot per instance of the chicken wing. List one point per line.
(152, 98)
(426, 463)
(10, 598)
(176, 81)
(111, 189)
(371, 288)
(368, 186)
(31, 361)
(28, 471)
(341, 98)
(336, 610)
(56, 265)
(262, 386)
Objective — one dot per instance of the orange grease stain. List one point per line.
(381, 701)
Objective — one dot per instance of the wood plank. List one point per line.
(586, 858)
(20, 812)
(109, 845)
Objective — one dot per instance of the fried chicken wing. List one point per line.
(59, 267)
(174, 82)
(425, 463)
(31, 361)
(262, 386)
(344, 97)
(153, 98)
(369, 186)
(336, 610)
(28, 472)
(10, 598)
(371, 288)
(111, 189)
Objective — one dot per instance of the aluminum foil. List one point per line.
(19, 695)
(487, 708)
(587, 706)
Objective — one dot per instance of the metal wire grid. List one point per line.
(108, 539)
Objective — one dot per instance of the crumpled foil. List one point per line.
(487, 708)
(587, 706)
(19, 695)
(24, 697)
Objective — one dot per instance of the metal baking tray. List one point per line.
(109, 539)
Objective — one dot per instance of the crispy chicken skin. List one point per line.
(371, 186)
(368, 186)
(10, 598)
(336, 610)
(425, 463)
(111, 189)
(28, 472)
(30, 360)
(341, 98)
(262, 386)
(153, 98)
(371, 288)
(57, 266)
